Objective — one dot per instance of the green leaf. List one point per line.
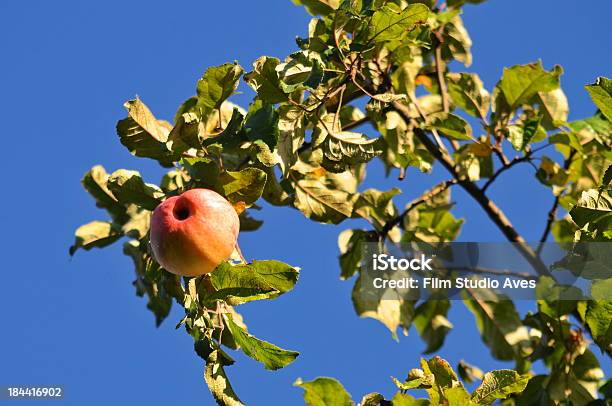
(95, 181)
(499, 324)
(607, 177)
(432, 221)
(351, 148)
(232, 136)
(601, 93)
(245, 186)
(321, 203)
(265, 81)
(467, 92)
(598, 316)
(591, 207)
(474, 161)
(432, 324)
(521, 136)
(318, 7)
(404, 77)
(138, 224)
(217, 84)
(376, 206)
(392, 307)
(389, 25)
(597, 127)
(400, 148)
(271, 356)
(550, 173)
(262, 123)
(239, 187)
(248, 223)
(417, 379)
(458, 396)
(498, 385)
(469, 373)
(188, 106)
(218, 382)
(456, 43)
(553, 107)
(324, 391)
(159, 285)
(403, 399)
(291, 133)
(606, 389)
(186, 134)
(258, 280)
(94, 234)
(388, 97)
(450, 125)
(520, 83)
(371, 399)
(128, 187)
(443, 373)
(301, 70)
(143, 135)
(352, 251)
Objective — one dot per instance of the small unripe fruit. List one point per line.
(193, 233)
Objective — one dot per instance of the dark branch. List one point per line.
(356, 123)
(495, 213)
(490, 271)
(504, 168)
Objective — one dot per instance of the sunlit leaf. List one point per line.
(271, 356)
(318, 7)
(217, 84)
(128, 187)
(498, 322)
(432, 324)
(95, 182)
(498, 385)
(258, 280)
(388, 24)
(450, 125)
(143, 135)
(324, 391)
(467, 92)
(322, 203)
(95, 234)
(218, 382)
(601, 93)
(520, 83)
(265, 81)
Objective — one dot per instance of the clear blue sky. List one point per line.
(65, 71)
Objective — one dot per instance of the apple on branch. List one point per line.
(191, 234)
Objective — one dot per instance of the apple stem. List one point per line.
(220, 320)
(240, 253)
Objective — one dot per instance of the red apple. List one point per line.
(193, 233)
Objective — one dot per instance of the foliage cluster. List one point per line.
(297, 145)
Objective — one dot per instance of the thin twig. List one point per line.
(495, 213)
(500, 154)
(335, 123)
(402, 173)
(355, 123)
(424, 117)
(441, 81)
(500, 272)
(504, 168)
